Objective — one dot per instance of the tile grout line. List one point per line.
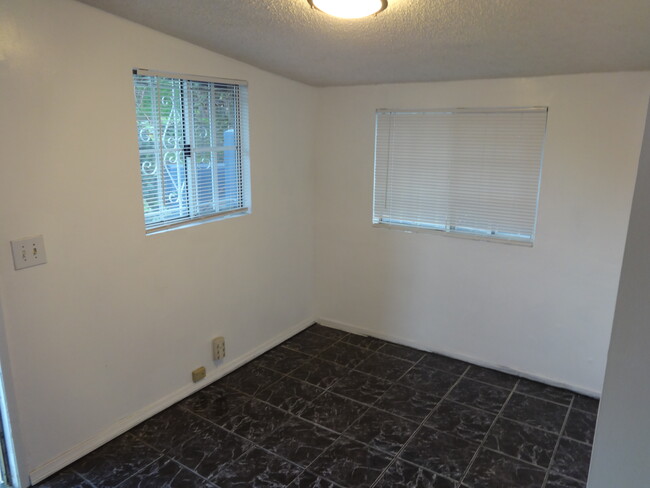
(557, 444)
(419, 427)
(311, 357)
(82, 477)
(519, 422)
(253, 445)
(291, 414)
(160, 456)
(329, 388)
(165, 457)
(519, 378)
(424, 353)
(357, 419)
(487, 433)
(372, 353)
(368, 405)
(373, 405)
(319, 455)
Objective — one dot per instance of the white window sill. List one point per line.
(409, 229)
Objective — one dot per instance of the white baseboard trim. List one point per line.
(452, 354)
(77, 452)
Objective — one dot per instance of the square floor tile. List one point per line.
(572, 459)
(165, 473)
(361, 387)
(366, 342)
(169, 428)
(350, 463)
(250, 379)
(309, 480)
(522, 441)
(383, 366)
(536, 412)
(345, 354)
(328, 409)
(431, 380)
(585, 403)
(309, 343)
(462, 421)
(255, 420)
(257, 468)
(544, 392)
(333, 411)
(440, 452)
(64, 479)
(557, 481)
(116, 461)
(402, 352)
(382, 430)
(299, 441)
(328, 332)
(580, 426)
(405, 475)
(215, 402)
(320, 373)
(290, 394)
(443, 363)
(479, 395)
(496, 378)
(282, 359)
(407, 402)
(207, 452)
(491, 469)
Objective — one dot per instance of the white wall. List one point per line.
(544, 311)
(622, 442)
(111, 327)
(116, 321)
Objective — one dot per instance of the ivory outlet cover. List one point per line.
(198, 374)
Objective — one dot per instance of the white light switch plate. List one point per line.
(29, 251)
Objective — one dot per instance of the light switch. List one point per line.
(28, 252)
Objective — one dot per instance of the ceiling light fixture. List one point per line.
(349, 9)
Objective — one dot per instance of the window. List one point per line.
(464, 172)
(193, 141)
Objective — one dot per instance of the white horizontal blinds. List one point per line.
(475, 172)
(214, 115)
(191, 135)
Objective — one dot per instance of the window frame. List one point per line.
(379, 219)
(187, 163)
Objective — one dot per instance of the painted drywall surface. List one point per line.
(545, 311)
(622, 442)
(116, 320)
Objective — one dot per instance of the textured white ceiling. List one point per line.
(412, 40)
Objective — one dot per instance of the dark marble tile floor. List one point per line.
(328, 409)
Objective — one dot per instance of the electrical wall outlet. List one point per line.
(198, 374)
(218, 348)
(29, 251)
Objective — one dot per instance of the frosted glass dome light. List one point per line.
(349, 9)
